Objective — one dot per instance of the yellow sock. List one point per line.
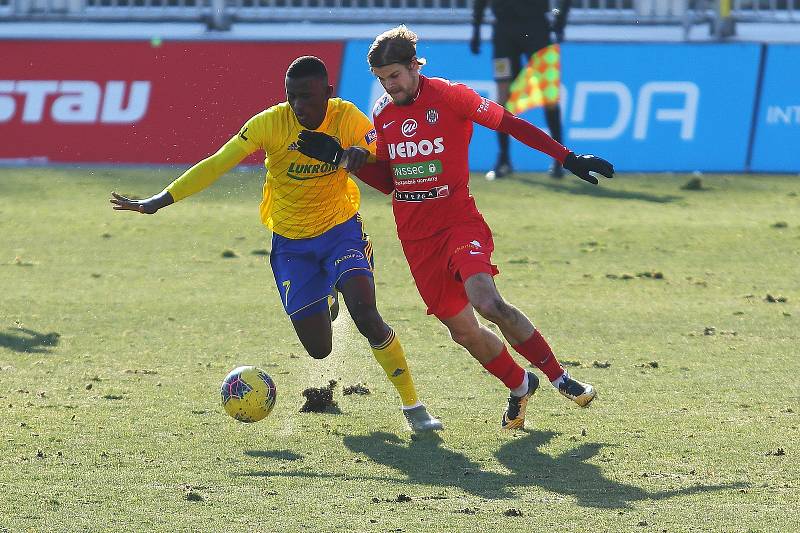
(392, 358)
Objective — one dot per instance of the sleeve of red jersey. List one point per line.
(381, 150)
(469, 104)
(378, 175)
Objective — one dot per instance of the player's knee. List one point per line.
(319, 351)
(319, 354)
(368, 321)
(491, 308)
(467, 338)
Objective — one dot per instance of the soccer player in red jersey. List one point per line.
(423, 128)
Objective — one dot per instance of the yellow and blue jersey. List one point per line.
(303, 197)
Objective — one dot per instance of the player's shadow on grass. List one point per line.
(426, 461)
(28, 341)
(283, 455)
(604, 190)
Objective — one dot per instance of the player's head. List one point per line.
(393, 59)
(308, 90)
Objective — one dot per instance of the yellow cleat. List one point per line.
(514, 417)
(578, 392)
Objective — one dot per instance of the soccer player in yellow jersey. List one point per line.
(318, 244)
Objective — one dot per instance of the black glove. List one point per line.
(475, 42)
(558, 24)
(582, 165)
(320, 146)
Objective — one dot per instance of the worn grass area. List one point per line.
(116, 330)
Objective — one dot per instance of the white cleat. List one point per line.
(420, 420)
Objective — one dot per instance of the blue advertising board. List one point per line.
(643, 106)
(777, 141)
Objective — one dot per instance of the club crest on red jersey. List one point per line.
(432, 116)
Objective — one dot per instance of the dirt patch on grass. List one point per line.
(359, 388)
(694, 184)
(319, 400)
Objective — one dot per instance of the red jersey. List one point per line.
(427, 145)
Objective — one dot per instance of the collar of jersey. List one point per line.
(419, 89)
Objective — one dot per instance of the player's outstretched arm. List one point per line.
(148, 206)
(582, 166)
(192, 181)
(323, 147)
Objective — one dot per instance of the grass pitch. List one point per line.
(681, 306)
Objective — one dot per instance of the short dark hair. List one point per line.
(307, 67)
(398, 45)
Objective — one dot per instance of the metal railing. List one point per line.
(221, 12)
(766, 10)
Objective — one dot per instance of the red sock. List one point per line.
(537, 351)
(504, 368)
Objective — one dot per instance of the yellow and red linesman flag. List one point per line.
(539, 83)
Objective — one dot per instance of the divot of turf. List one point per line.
(193, 496)
(652, 275)
(358, 388)
(694, 184)
(318, 400)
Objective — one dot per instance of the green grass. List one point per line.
(116, 330)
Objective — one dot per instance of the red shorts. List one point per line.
(440, 264)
